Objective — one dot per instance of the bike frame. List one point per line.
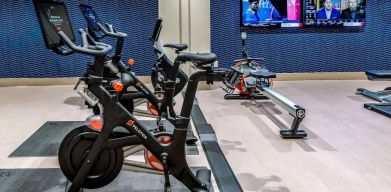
(177, 164)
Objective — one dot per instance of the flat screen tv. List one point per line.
(334, 13)
(271, 13)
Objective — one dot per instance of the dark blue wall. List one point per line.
(22, 48)
(306, 50)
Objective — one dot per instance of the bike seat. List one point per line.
(262, 74)
(199, 59)
(178, 47)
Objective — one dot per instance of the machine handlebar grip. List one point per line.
(111, 31)
(156, 30)
(88, 47)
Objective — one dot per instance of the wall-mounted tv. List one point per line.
(271, 13)
(334, 13)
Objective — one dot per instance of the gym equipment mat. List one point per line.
(52, 180)
(47, 139)
(225, 177)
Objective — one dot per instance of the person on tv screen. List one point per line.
(251, 16)
(361, 6)
(328, 12)
(267, 12)
(353, 11)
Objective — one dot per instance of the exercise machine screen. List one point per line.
(53, 18)
(90, 16)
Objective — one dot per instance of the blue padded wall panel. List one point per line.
(305, 50)
(22, 49)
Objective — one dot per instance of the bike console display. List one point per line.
(90, 16)
(157, 29)
(53, 18)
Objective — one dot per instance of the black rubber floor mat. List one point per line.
(52, 180)
(47, 139)
(225, 177)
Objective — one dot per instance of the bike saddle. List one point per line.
(177, 47)
(262, 74)
(199, 59)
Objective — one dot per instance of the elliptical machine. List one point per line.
(91, 156)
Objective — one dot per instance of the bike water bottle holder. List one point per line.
(89, 97)
(113, 68)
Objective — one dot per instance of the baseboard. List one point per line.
(7, 82)
(321, 76)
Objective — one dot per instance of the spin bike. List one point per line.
(92, 156)
(254, 81)
(160, 69)
(98, 31)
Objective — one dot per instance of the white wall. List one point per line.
(169, 11)
(186, 21)
(200, 25)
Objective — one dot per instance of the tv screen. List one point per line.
(334, 13)
(53, 18)
(271, 13)
(90, 16)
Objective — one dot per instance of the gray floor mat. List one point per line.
(52, 180)
(47, 139)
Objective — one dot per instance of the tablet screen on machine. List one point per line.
(53, 18)
(90, 16)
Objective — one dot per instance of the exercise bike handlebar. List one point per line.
(111, 31)
(88, 47)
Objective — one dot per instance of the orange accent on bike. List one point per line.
(96, 125)
(95, 122)
(130, 122)
(153, 110)
(118, 86)
(131, 62)
(153, 161)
